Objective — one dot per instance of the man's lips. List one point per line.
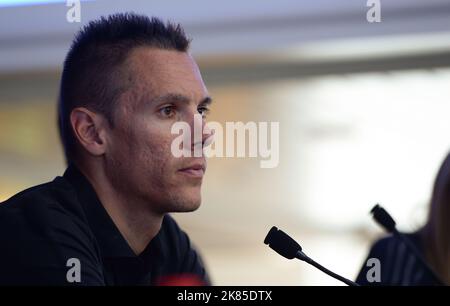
(194, 170)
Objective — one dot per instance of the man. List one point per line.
(126, 80)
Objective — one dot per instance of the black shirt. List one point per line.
(399, 265)
(43, 227)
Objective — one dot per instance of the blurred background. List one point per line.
(363, 111)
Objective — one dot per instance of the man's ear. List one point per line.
(89, 129)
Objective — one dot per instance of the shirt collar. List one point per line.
(108, 236)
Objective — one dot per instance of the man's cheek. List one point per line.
(163, 145)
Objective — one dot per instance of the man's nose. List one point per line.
(201, 133)
(208, 134)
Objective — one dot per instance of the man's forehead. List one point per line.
(160, 68)
(144, 58)
(156, 72)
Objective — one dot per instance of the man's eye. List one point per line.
(203, 110)
(167, 111)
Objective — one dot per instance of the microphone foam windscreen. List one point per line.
(383, 218)
(281, 243)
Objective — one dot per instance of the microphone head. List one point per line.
(383, 218)
(281, 243)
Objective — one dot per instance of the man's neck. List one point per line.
(135, 221)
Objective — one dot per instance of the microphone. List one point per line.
(385, 220)
(287, 247)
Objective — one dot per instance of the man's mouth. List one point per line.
(195, 170)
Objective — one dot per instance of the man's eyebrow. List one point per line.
(172, 97)
(206, 101)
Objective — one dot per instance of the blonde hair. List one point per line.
(436, 232)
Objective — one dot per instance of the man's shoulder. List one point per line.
(22, 199)
(40, 229)
(40, 208)
(50, 195)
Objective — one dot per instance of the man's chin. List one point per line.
(190, 205)
(187, 209)
(187, 202)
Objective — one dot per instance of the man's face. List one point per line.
(166, 88)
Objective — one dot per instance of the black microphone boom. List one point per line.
(287, 247)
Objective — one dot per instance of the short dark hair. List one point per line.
(93, 76)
